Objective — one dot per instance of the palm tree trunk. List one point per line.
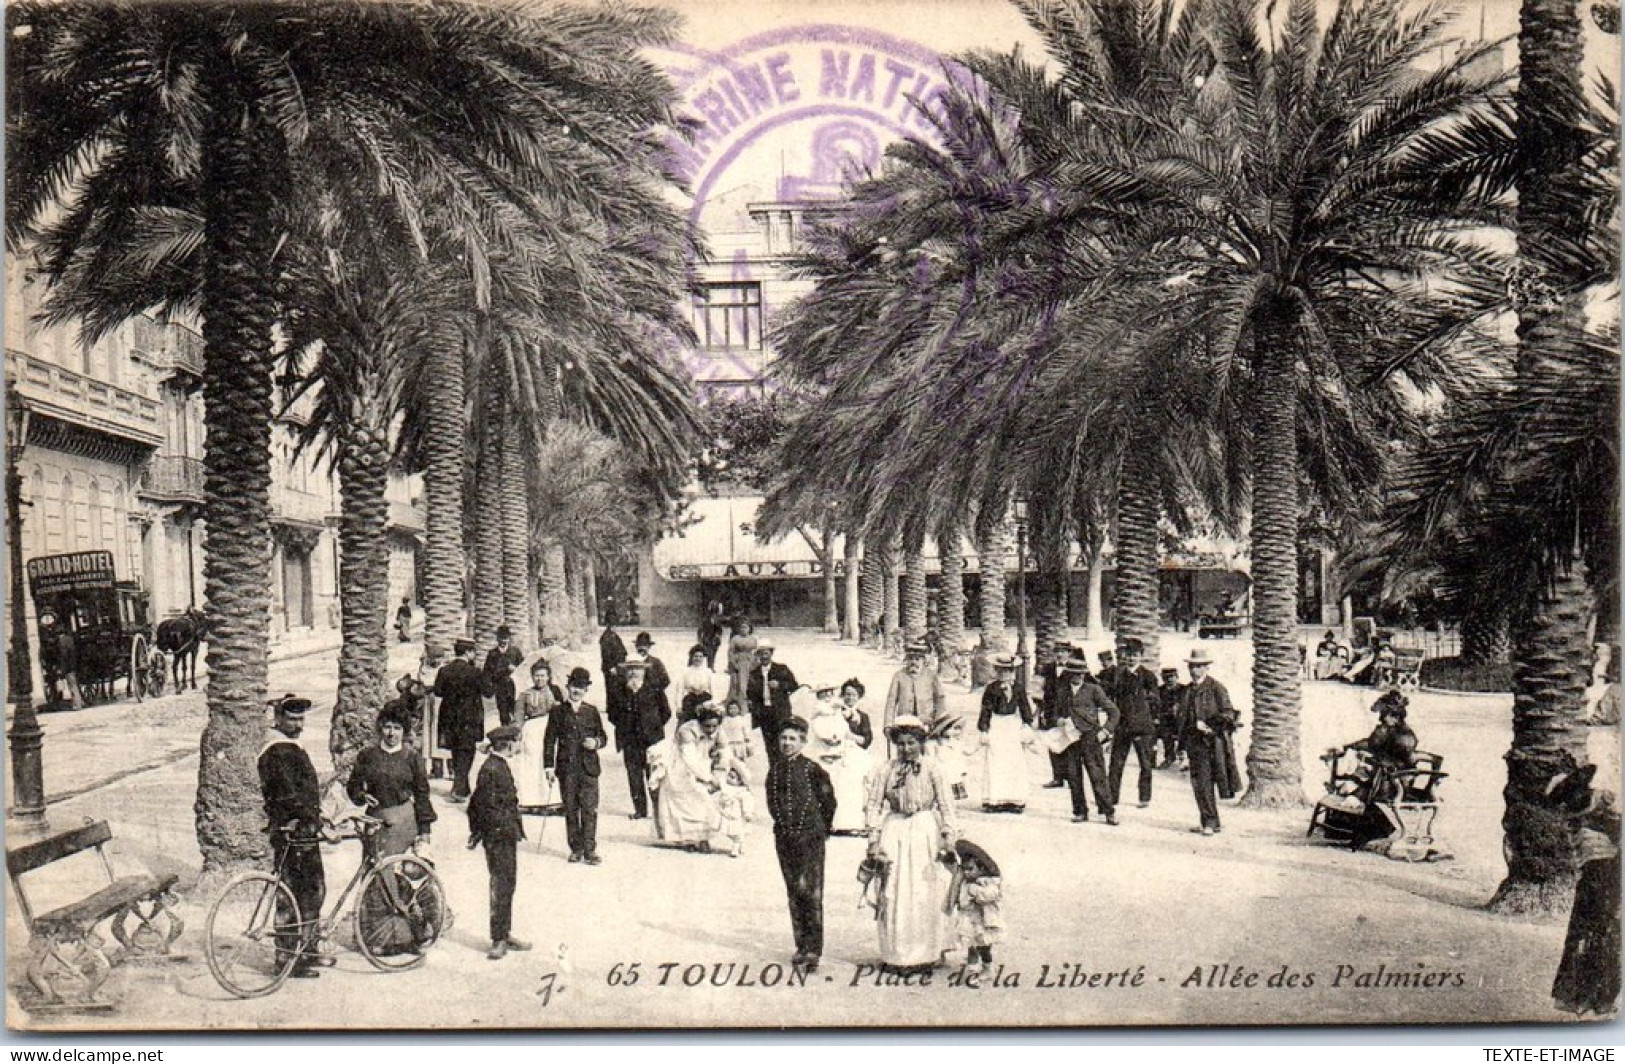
(832, 600)
(555, 600)
(592, 592)
(363, 468)
(1273, 761)
(238, 307)
(445, 565)
(852, 628)
(1551, 667)
(515, 505)
(872, 595)
(489, 515)
(915, 595)
(1139, 556)
(1049, 607)
(1486, 638)
(891, 619)
(993, 556)
(951, 550)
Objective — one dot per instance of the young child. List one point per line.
(736, 731)
(979, 892)
(493, 821)
(801, 801)
(738, 805)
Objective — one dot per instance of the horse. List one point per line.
(181, 638)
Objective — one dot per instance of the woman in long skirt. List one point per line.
(910, 813)
(1005, 726)
(535, 703)
(391, 782)
(688, 813)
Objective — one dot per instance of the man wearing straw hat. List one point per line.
(1206, 712)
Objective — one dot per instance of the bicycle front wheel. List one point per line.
(240, 939)
(402, 911)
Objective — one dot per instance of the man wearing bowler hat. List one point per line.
(497, 675)
(293, 811)
(1077, 696)
(1134, 688)
(570, 745)
(657, 676)
(458, 687)
(1206, 713)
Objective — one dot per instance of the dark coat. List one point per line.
(995, 700)
(290, 789)
(861, 727)
(800, 797)
(655, 674)
(462, 714)
(1137, 700)
(562, 742)
(493, 810)
(770, 707)
(1084, 707)
(1206, 702)
(497, 674)
(611, 655)
(640, 720)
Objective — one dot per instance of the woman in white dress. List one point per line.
(533, 706)
(910, 813)
(833, 745)
(1005, 725)
(688, 813)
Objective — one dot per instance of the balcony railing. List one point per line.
(295, 505)
(75, 398)
(169, 347)
(173, 477)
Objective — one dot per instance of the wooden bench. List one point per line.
(67, 965)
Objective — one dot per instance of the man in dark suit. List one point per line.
(457, 690)
(494, 822)
(611, 656)
(497, 675)
(1134, 688)
(293, 812)
(1049, 675)
(570, 745)
(801, 800)
(657, 676)
(1171, 696)
(640, 722)
(1081, 699)
(768, 696)
(1205, 716)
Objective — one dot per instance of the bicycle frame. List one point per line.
(323, 925)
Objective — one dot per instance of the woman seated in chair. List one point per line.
(1391, 746)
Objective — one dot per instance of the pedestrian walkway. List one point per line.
(1087, 898)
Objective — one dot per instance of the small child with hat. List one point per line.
(494, 822)
(977, 891)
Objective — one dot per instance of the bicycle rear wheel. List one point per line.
(240, 938)
(402, 911)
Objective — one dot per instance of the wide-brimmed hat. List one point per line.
(917, 646)
(1075, 661)
(966, 850)
(1199, 657)
(462, 646)
(1004, 661)
(764, 643)
(907, 724)
(634, 665)
(291, 705)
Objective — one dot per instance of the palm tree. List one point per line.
(129, 122)
(951, 553)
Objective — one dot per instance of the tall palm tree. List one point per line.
(951, 553)
(124, 117)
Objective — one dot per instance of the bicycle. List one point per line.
(400, 912)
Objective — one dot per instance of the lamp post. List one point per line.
(1018, 510)
(25, 737)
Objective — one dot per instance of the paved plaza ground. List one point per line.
(1187, 919)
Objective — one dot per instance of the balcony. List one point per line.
(173, 478)
(173, 350)
(84, 402)
(407, 516)
(298, 507)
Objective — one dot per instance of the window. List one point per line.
(730, 315)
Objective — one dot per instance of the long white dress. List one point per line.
(911, 812)
(832, 745)
(1004, 724)
(688, 811)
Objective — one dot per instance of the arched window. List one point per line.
(65, 510)
(91, 533)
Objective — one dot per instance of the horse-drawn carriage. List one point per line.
(93, 628)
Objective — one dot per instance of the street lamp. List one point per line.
(25, 736)
(1018, 510)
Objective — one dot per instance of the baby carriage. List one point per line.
(1370, 801)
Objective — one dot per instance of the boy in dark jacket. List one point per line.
(801, 800)
(493, 820)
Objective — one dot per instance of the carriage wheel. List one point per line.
(138, 666)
